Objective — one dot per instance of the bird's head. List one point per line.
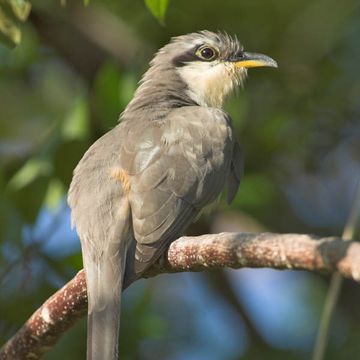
(210, 64)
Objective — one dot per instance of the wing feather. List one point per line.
(182, 168)
(236, 172)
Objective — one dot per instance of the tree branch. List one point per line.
(232, 250)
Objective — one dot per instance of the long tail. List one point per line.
(104, 269)
(103, 338)
(104, 314)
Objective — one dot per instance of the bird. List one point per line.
(172, 154)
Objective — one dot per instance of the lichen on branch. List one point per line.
(224, 250)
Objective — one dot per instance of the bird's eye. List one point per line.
(206, 53)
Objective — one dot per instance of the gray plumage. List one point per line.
(139, 186)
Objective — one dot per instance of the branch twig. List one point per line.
(233, 250)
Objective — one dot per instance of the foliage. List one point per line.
(66, 84)
(12, 12)
(158, 8)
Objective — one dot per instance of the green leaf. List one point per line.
(54, 195)
(158, 8)
(10, 33)
(28, 173)
(76, 123)
(12, 12)
(18, 9)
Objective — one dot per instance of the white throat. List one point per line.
(210, 83)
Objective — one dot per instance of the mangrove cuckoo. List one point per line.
(139, 186)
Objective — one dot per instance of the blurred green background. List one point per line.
(66, 84)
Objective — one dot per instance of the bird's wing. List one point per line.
(177, 166)
(236, 172)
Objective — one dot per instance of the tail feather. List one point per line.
(104, 281)
(103, 332)
(104, 270)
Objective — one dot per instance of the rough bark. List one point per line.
(231, 250)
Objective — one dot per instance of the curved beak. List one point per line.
(250, 60)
